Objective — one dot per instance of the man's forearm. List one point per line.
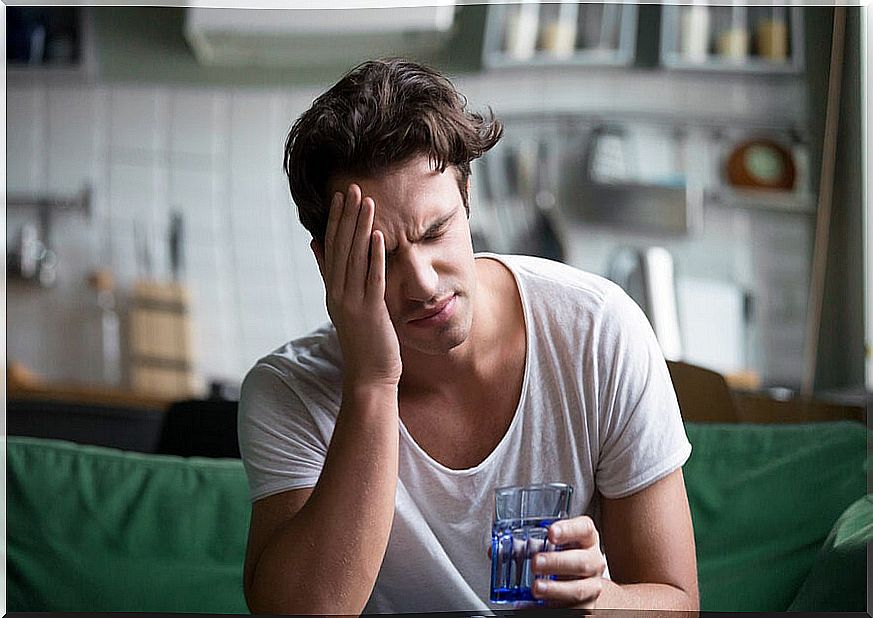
(326, 558)
(645, 596)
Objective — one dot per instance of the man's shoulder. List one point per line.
(544, 276)
(314, 356)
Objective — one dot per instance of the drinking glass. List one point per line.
(522, 516)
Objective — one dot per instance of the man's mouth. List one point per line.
(434, 313)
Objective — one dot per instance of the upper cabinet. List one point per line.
(563, 33)
(701, 37)
(324, 38)
(43, 37)
(753, 39)
(49, 41)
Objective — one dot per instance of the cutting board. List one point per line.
(160, 349)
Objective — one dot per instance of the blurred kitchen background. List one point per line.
(152, 247)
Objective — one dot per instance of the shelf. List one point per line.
(635, 206)
(599, 58)
(559, 34)
(33, 261)
(732, 39)
(762, 199)
(45, 202)
(719, 65)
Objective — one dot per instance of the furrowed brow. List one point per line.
(432, 228)
(436, 225)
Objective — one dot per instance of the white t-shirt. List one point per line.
(597, 410)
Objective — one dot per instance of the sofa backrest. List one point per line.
(98, 529)
(763, 499)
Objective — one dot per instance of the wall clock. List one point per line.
(761, 164)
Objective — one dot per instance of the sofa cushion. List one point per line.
(98, 529)
(763, 499)
(837, 579)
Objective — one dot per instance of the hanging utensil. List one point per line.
(176, 235)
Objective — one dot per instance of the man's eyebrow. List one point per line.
(433, 227)
(436, 225)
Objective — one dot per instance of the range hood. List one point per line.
(288, 38)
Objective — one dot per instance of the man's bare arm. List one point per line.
(649, 541)
(320, 553)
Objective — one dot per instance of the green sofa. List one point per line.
(781, 520)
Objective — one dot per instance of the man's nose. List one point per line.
(419, 278)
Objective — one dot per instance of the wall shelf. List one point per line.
(52, 202)
(33, 261)
(732, 39)
(559, 34)
(797, 202)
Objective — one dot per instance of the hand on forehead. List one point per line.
(411, 201)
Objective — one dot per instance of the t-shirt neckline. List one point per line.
(519, 410)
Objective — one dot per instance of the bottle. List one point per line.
(733, 42)
(109, 332)
(559, 30)
(772, 36)
(522, 25)
(695, 33)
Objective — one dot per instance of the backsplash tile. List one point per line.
(72, 117)
(213, 154)
(25, 140)
(135, 118)
(197, 123)
(216, 155)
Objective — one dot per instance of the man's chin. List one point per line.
(437, 343)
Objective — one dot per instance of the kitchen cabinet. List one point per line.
(55, 43)
(324, 38)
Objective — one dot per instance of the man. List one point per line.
(373, 446)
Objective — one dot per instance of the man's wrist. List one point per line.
(643, 596)
(367, 394)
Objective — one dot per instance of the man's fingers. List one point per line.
(356, 275)
(376, 275)
(578, 568)
(569, 562)
(577, 593)
(575, 532)
(333, 218)
(344, 234)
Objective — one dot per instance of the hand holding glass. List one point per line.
(522, 516)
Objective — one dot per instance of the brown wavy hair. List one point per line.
(380, 115)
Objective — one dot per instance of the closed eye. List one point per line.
(433, 235)
(439, 227)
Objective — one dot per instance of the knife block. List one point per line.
(161, 360)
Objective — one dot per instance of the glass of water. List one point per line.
(522, 516)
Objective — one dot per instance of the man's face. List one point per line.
(431, 277)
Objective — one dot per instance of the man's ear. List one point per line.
(318, 252)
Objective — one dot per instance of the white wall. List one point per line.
(216, 155)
